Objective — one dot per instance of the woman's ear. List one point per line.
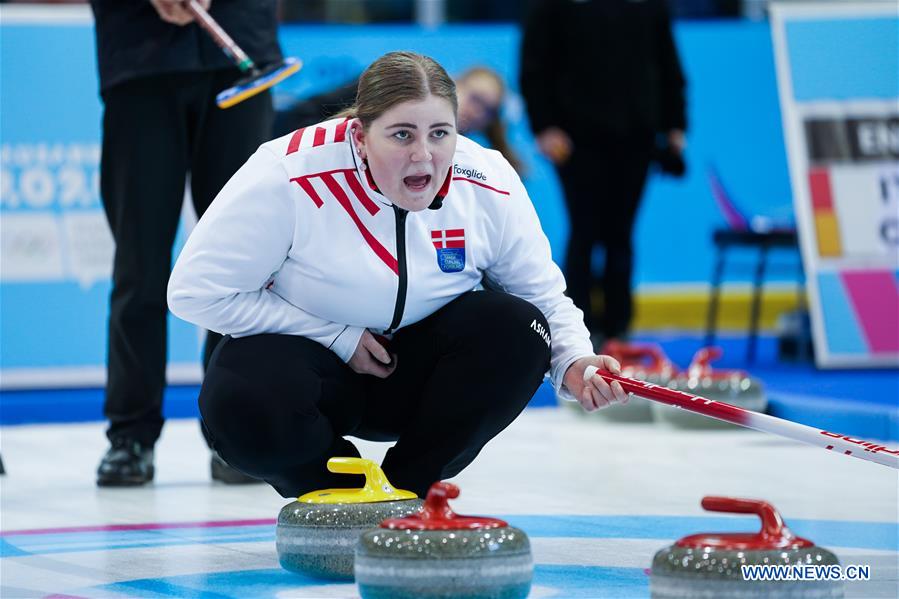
(358, 134)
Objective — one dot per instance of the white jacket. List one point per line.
(299, 242)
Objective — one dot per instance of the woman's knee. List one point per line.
(261, 417)
(516, 326)
(257, 430)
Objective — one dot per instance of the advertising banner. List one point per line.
(838, 76)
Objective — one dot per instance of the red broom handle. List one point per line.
(851, 446)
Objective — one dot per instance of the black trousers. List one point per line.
(156, 130)
(603, 181)
(277, 406)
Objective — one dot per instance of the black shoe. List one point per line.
(222, 472)
(126, 464)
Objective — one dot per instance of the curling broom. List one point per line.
(257, 80)
(857, 448)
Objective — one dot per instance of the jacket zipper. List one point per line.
(400, 216)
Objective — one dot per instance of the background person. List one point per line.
(159, 75)
(602, 82)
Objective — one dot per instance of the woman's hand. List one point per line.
(371, 357)
(555, 144)
(594, 393)
(173, 11)
(677, 141)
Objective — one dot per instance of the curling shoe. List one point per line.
(127, 463)
(224, 473)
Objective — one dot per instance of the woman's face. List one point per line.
(480, 96)
(409, 150)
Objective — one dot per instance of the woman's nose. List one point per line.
(421, 152)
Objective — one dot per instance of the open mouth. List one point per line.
(417, 182)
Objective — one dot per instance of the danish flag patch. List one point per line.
(450, 246)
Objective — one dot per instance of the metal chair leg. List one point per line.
(756, 303)
(714, 297)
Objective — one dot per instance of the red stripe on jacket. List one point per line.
(505, 193)
(319, 138)
(310, 191)
(340, 132)
(294, 144)
(341, 196)
(360, 192)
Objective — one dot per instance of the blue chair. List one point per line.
(741, 230)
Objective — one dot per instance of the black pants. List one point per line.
(277, 406)
(156, 130)
(603, 181)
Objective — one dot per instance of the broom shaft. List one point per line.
(851, 446)
(220, 36)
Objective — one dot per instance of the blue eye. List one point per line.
(402, 135)
(440, 133)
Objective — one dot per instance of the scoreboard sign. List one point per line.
(838, 78)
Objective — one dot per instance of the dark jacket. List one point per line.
(601, 66)
(132, 41)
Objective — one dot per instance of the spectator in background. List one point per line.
(480, 91)
(603, 84)
(481, 94)
(159, 75)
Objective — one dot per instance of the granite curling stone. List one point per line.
(735, 387)
(708, 565)
(317, 534)
(439, 554)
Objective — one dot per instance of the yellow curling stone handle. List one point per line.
(377, 487)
